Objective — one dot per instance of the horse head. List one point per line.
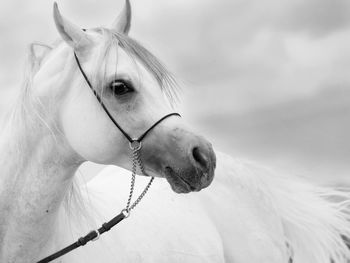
(136, 90)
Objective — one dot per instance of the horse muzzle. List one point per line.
(186, 160)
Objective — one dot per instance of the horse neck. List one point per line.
(37, 168)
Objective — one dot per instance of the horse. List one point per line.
(91, 96)
(248, 214)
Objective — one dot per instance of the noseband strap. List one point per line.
(98, 97)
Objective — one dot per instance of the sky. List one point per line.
(266, 80)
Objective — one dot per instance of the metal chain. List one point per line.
(136, 162)
(95, 234)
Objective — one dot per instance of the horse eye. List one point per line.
(119, 87)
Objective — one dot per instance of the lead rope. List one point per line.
(94, 235)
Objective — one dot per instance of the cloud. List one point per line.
(304, 134)
(255, 52)
(314, 17)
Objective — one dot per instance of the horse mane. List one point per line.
(164, 78)
(21, 106)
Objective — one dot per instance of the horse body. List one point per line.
(169, 232)
(248, 215)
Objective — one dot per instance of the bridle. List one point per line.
(135, 145)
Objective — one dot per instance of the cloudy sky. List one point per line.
(263, 79)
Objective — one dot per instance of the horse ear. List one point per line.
(37, 51)
(71, 34)
(122, 23)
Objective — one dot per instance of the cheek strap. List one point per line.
(127, 136)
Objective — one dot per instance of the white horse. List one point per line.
(247, 215)
(58, 123)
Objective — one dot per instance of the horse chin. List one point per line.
(178, 183)
(181, 181)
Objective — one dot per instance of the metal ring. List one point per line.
(98, 235)
(135, 145)
(125, 212)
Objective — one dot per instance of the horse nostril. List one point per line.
(200, 158)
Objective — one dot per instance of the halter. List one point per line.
(135, 145)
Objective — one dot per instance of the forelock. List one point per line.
(136, 51)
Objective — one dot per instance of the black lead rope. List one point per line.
(135, 145)
(93, 235)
